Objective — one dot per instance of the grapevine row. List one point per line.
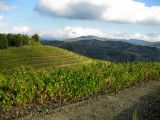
(70, 83)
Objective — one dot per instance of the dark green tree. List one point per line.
(3, 41)
(10, 39)
(26, 39)
(35, 39)
(17, 40)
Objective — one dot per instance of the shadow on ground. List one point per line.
(147, 108)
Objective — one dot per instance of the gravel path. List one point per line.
(138, 103)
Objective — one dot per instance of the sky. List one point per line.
(63, 19)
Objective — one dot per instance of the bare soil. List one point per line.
(140, 102)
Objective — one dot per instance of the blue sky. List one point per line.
(150, 3)
(63, 19)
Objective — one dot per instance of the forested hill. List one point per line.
(115, 51)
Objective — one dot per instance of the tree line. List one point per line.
(18, 40)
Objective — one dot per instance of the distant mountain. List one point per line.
(156, 44)
(142, 42)
(133, 41)
(115, 51)
(90, 37)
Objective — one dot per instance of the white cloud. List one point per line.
(1, 17)
(67, 32)
(17, 30)
(121, 11)
(4, 7)
(2, 24)
(73, 32)
(149, 37)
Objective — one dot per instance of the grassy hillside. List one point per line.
(38, 57)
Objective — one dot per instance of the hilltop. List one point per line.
(38, 57)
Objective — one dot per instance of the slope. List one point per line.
(39, 89)
(114, 51)
(38, 57)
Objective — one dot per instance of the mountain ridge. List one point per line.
(114, 51)
(133, 41)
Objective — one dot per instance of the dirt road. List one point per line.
(141, 101)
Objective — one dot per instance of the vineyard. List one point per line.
(37, 57)
(33, 83)
(70, 83)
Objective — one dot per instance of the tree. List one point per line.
(35, 39)
(10, 39)
(17, 40)
(3, 41)
(25, 39)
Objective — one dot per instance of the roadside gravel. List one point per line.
(141, 102)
